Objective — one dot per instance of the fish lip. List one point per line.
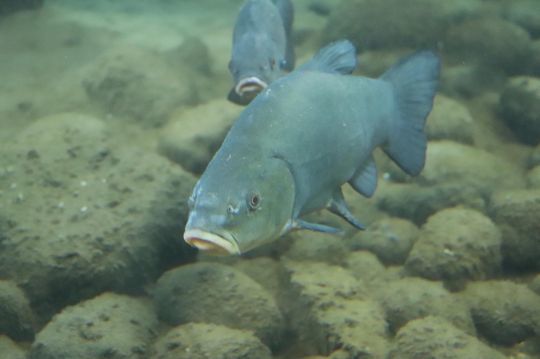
(250, 86)
(208, 241)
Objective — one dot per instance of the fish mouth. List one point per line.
(250, 86)
(211, 243)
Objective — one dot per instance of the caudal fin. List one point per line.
(414, 79)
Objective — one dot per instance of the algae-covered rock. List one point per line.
(108, 326)
(533, 178)
(390, 239)
(455, 174)
(366, 267)
(520, 108)
(80, 215)
(449, 120)
(10, 350)
(434, 337)
(209, 341)
(456, 244)
(219, 294)
(16, 317)
(265, 271)
(411, 298)
(517, 214)
(534, 285)
(504, 312)
(490, 41)
(307, 245)
(139, 86)
(379, 23)
(330, 312)
(193, 135)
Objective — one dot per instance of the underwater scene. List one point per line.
(270, 179)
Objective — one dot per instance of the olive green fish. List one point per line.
(301, 139)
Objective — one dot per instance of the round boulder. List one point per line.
(411, 298)
(517, 214)
(456, 244)
(209, 341)
(520, 108)
(450, 120)
(16, 317)
(219, 294)
(80, 216)
(434, 337)
(390, 239)
(490, 41)
(108, 326)
(504, 312)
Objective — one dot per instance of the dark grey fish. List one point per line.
(301, 139)
(262, 48)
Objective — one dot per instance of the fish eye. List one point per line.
(282, 64)
(254, 201)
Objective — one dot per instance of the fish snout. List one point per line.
(210, 243)
(249, 87)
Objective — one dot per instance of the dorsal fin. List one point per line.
(337, 57)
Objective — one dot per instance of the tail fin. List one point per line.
(415, 80)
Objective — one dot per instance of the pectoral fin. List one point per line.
(364, 180)
(338, 206)
(317, 227)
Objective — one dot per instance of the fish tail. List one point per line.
(414, 79)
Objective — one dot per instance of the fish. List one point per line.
(262, 49)
(299, 141)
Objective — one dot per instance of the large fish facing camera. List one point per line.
(301, 139)
(262, 49)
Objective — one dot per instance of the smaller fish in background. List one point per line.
(262, 49)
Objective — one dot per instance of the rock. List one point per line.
(331, 314)
(308, 245)
(411, 298)
(450, 120)
(16, 317)
(490, 41)
(468, 80)
(416, 202)
(193, 136)
(504, 312)
(209, 341)
(123, 86)
(533, 178)
(376, 24)
(524, 13)
(219, 294)
(79, 216)
(108, 326)
(265, 271)
(366, 267)
(472, 167)
(390, 239)
(10, 350)
(520, 108)
(516, 213)
(534, 285)
(11, 6)
(434, 337)
(455, 174)
(534, 159)
(455, 245)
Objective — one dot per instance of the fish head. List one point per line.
(236, 211)
(254, 65)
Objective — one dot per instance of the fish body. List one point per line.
(262, 48)
(301, 139)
